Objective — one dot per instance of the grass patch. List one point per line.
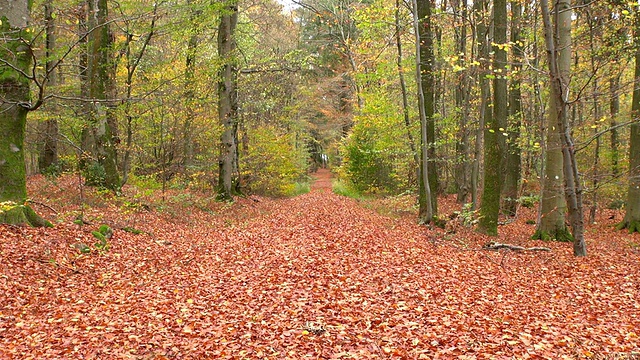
(300, 188)
(345, 189)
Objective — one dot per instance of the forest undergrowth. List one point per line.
(318, 276)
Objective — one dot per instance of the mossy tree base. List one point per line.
(562, 235)
(632, 226)
(21, 215)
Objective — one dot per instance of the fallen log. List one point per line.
(492, 245)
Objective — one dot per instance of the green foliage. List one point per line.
(95, 174)
(346, 189)
(301, 188)
(132, 230)
(528, 201)
(467, 215)
(103, 233)
(273, 164)
(376, 157)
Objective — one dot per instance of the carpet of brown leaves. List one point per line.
(317, 276)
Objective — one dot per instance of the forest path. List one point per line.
(316, 276)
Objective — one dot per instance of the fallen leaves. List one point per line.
(314, 276)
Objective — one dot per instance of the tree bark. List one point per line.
(403, 86)
(228, 177)
(495, 126)
(424, 79)
(462, 164)
(551, 222)
(513, 167)
(558, 43)
(481, 17)
(632, 216)
(14, 106)
(49, 129)
(100, 134)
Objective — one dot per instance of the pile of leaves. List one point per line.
(316, 276)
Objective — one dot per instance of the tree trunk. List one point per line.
(512, 174)
(481, 17)
(228, 177)
(14, 106)
(614, 108)
(403, 86)
(632, 216)
(558, 43)
(462, 164)
(101, 131)
(189, 94)
(551, 222)
(422, 28)
(495, 126)
(49, 128)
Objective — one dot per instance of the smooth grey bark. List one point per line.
(429, 90)
(426, 212)
(481, 16)
(228, 176)
(551, 223)
(558, 44)
(512, 175)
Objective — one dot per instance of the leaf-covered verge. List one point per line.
(316, 276)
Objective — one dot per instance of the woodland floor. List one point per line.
(317, 276)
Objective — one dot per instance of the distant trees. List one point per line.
(131, 81)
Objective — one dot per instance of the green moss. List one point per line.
(632, 226)
(562, 235)
(21, 215)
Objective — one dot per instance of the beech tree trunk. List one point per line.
(512, 175)
(632, 216)
(49, 128)
(462, 164)
(424, 79)
(495, 126)
(558, 43)
(14, 106)
(552, 222)
(403, 86)
(228, 180)
(481, 16)
(99, 137)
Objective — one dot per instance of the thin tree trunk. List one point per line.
(189, 95)
(482, 42)
(614, 109)
(462, 169)
(426, 213)
(513, 169)
(228, 180)
(403, 86)
(49, 130)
